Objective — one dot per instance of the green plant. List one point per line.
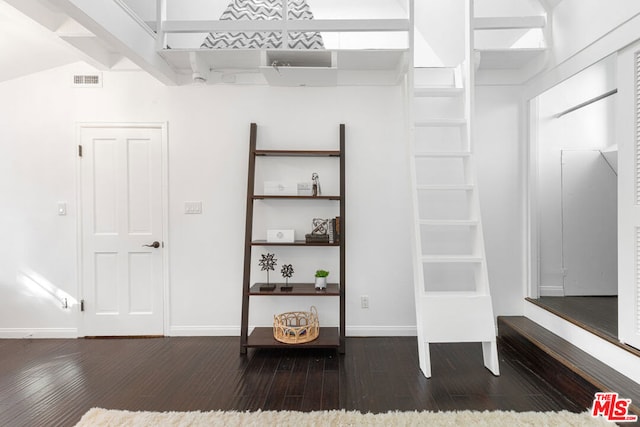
(322, 273)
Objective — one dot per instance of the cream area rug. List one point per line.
(102, 417)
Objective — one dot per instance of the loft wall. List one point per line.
(578, 23)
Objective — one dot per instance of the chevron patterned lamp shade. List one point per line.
(264, 10)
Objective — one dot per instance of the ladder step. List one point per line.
(441, 123)
(452, 154)
(449, 222)
(452, 259)
(425, 92)
(461, 187)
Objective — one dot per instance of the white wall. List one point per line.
(440, 28)
(208, 138)
(208, 143)
(578, 23)
(500, 181)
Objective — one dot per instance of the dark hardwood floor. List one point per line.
(54, 382)
(595, 313)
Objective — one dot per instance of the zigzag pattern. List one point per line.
(263, 10)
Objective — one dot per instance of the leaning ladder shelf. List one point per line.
(329, 337)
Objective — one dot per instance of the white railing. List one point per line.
(396, 22)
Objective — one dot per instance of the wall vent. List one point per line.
(87, 80)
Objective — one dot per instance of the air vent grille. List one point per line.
(87, 80)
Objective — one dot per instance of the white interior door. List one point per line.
(589, 224)
(628, 137)
(122, 271)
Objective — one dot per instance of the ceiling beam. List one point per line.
(509, 22)
(114, 25)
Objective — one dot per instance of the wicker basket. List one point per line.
(296, 327)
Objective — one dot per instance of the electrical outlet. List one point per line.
(364, 301)
(193, 208)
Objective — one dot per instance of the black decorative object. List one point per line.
(268, 263)
(287, 272)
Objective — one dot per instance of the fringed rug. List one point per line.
(102, 417)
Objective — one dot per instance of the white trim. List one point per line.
(135, 17)
(309, 25)
(620, 37)
(79, 265)
(166, 288)
(509, 22)
(203, 331)
(381, 331)
(621, 360)
(29, 333)
(166, 291)
(530, 166)
(550, 291)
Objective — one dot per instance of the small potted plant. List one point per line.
(321, 279)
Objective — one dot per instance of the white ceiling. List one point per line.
(27, 47)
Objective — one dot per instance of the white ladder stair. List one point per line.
(453, 301)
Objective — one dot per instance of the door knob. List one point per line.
(155, 244)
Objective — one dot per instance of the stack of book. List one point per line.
(334, 230)
(316, 238)
(332, 235)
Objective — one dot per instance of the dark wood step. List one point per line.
(263, 337)
(572, 371)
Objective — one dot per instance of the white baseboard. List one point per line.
(18, 333)
(551, 291)
(381, 331)
(622, 361)
(204, 331)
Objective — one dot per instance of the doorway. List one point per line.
(574, 171)
(123, 202)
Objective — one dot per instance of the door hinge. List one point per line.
(81, 305)
(79, 150)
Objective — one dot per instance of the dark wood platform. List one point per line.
(572, 371)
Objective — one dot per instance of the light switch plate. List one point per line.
(62, 208)
(192, 207)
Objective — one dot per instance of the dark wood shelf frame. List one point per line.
(296, 243)
(263, 337)
(269, 197)
(297, 289)
(298, 153)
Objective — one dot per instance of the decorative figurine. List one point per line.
(287, 272)
(268, 262)
(315, 189)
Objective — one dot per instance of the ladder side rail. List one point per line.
(248, 236)
(416, 247)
